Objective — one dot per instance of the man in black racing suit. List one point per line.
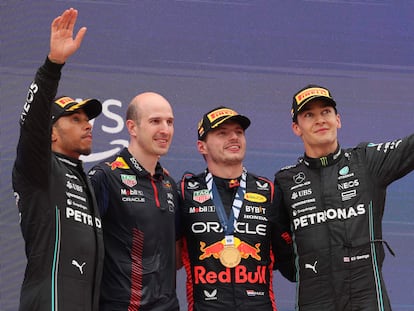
(59, 218)
(137, 201)
(243, 279)
(334, 200)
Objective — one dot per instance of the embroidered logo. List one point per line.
(201, 196)
(129, 180)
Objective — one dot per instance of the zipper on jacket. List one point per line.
(154, 187)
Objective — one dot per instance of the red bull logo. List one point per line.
(216, 248)
(211, 250)
(118, 163)
(247, 250)
(241, 275)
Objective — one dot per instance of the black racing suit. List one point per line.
(138, 214)
(59, 218)
(335, 206)
(247, 286)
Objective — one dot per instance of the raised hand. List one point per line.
(62, 43)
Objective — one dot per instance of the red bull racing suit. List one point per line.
(59, 218)
(138, 220)
(335, 207)
(247, 286)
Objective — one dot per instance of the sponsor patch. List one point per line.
(220, 113)
(311, 92)
(62, 102)
(118, 163)
(201, 196)
(129, 180)
(255, 197)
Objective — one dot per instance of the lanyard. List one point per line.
(227, 223)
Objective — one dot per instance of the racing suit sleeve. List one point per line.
(99, 181)
(33, 158)
(282, 245)
(391, 160)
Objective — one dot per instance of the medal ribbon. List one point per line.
(227, 223)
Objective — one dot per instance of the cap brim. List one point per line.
(240, 119)
(91, 106)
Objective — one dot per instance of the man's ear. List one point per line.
(296, 129)
(338, 120)
(131, 127)
(201, 147)
(54, 134)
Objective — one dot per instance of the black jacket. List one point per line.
(138, 213)
(335, 207)
(60, 222)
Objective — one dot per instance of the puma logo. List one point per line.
(312, 267)
(80, 267)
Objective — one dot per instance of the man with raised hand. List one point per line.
(60, 221)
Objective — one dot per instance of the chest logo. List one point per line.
(344, 170)
(299, 178)
(201, 196)
(255, 197)
(129, 180)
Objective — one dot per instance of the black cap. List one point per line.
(66, 105)
(307, 94)
(217, 116)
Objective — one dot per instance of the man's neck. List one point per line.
(320, 151)
(229, 172)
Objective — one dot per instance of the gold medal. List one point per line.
(230, 256)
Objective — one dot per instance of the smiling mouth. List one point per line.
(233, 148)
(321, 130)
(162, 141)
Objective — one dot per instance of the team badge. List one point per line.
(201, 196)
(129, 180)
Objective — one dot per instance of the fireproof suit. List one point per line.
(59, 218)
(138, 215)
(248, 286)
(335, 206)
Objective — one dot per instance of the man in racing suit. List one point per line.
(137, 201)
(227, 224)
(59, 217)
(334, 200)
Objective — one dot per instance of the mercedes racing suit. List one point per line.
(335, 206)
(247, 286)
(138, 220)
(59, 217)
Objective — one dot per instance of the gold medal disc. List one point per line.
(230, 256)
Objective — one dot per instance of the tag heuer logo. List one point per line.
(201, 196)
(129, 180)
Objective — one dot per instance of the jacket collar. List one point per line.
(328, 160)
